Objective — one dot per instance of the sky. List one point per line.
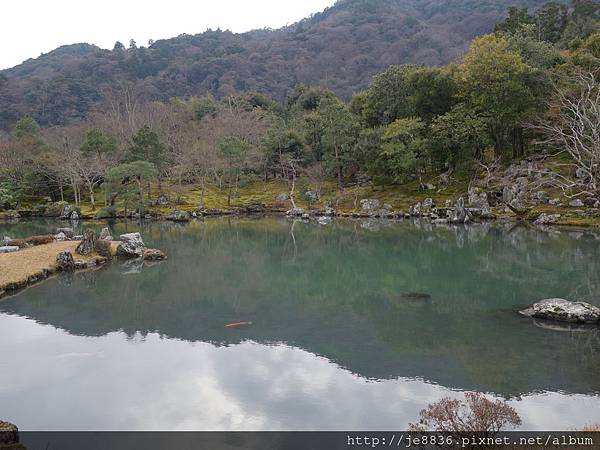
(31, 27)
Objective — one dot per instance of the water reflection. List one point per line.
(334, 343)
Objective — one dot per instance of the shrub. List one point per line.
(107, 212)
(40, 240)
(476, 414)
(55, 209)
(103, 248)
(38, 211)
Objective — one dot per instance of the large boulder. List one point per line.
(87, 244)
(131, 246)
(65, 261)
(564, 311)
(461, 215)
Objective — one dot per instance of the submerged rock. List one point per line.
(131, 246)
(152, 254)
(564, 311)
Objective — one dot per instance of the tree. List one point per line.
(337, 131)
(27, 127)
(551, 20)
(404, 148)
(97, 143)
(234, 150)
(119, 47)
(573, 126)
(517, 17)
(496, 84)
(147, 146)
(127, 180)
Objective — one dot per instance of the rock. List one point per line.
(162, 200)
(581, 173)
(74, 216)
(430, 187)
(179, 216)
(312, 196)
(460, 213)
(68, 232)
(306, 216)
(597, 204)
(577, 203)
(105, 235)
(6, 240)
(9, 249)
(427, 205)
(282, 198)
(448, 203)
(295, 212)
(65, 262)
(152, 254)
(65, 210)
(87, 244)
(547, 219)
(415, 211)
(542, 197)
(131, 246)
(564, 311)
(78, 237)
(329, 211)
(555, 202)
(324, 220)
(61, 237)
(9, 436)
(370, 205)
(444, 178)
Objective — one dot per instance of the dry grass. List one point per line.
(19, 268)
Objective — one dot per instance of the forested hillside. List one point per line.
(339, 49)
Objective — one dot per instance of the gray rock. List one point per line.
(295, 212)
(6, 240)
(87, 244)
(282, 198)
(78, 237)
(448, 204)
(131, 246)
(105, 234)
(581, 173)
(329, 211)
(66, 212)
(324, 220)
(68, 232)
(444, 178)
(577, 203)
(74, 216)
(9, 249)
(65, 262)
(427, 205)
(370, 205)
(564, 311)
(460, 213)
(162, 200)
(179, 216)
(555, 202)
(61, 237)
(542, 197)
(547, 219)
(312, 196)
(415, 211)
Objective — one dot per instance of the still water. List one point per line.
(338, 341)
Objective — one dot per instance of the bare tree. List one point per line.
(573, 126)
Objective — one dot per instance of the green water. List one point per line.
(333, 305)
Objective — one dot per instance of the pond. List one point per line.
(353, 326)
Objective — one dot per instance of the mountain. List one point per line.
(339, 48)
